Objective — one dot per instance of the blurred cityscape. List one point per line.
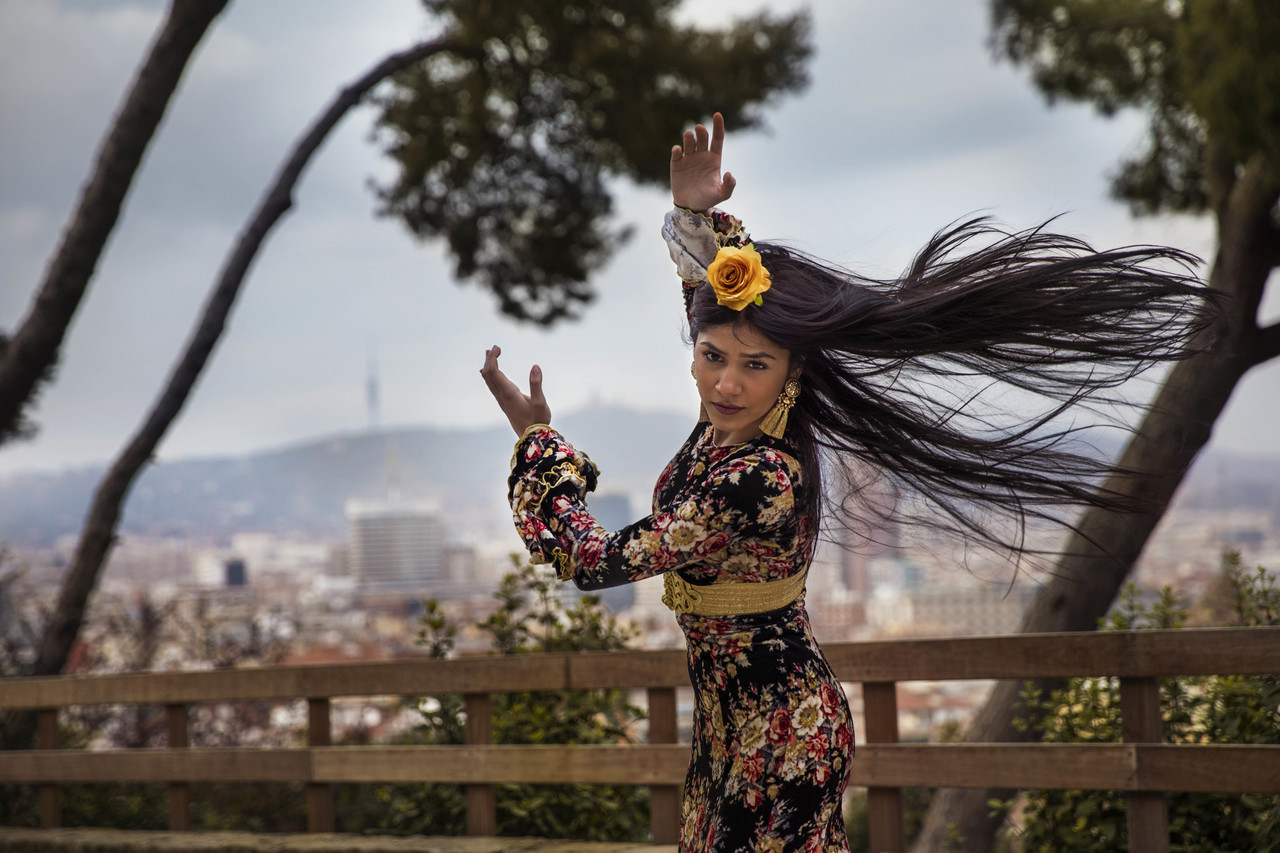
(325, 552)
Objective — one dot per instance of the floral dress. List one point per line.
(772, 738)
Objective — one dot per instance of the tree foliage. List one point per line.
(504, 144)
(1214, 709)
(1202, 70)
(531, 618)
(1206, 73)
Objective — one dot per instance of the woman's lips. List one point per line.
(725, 409)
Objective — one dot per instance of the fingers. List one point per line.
(727, 183)
(717, 133)
(676, 153)
(702, 137)
(492, 376)
(490, 360)
(535, 386)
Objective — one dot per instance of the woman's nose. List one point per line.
(728, 382)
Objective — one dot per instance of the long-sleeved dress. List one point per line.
(772, 736)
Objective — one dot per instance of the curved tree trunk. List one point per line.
(33, 350)
(98, 532)
(1097, 560)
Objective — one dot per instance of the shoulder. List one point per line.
(761, 479)
(763, 460)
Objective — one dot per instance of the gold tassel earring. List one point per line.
(702, 408)
(775, 420)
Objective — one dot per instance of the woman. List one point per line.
(795, 361)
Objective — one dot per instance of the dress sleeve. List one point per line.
(749, 496)
(544, 466)
(694, 238)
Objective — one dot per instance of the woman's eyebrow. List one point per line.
(718, 351)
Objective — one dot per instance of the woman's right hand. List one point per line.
(522, 410)
(696, 182)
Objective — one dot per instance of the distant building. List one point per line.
(234, 572)
(976, 609)
(396, 546)
(613, 512)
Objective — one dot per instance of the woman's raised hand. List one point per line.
(696, 182)
(522, 410)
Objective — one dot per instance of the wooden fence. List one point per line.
(1141, 766)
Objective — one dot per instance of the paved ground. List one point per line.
(121, 841)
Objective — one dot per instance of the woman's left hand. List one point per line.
(696, 182)
(522, 410)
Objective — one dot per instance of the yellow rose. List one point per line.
(738, 277)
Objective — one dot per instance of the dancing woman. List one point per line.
(798, 363)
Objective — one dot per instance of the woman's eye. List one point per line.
(711, 356)
(757, 365)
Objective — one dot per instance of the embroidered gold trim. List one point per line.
(564, 569)
(732, 598)
(557, 476)
(519, 441)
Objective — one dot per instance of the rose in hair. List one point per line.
(738, 277)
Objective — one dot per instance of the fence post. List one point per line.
(884, 805)
(1148, 812)
(50, 795)
(179, 792)
(482, 810)
(664, 800)
(319, 796)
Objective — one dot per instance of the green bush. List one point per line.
(1213, 709)
(530, 619)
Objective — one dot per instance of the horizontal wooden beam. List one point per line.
(1224, 768)
(659, 764)
(589, 765)
(638, 669)
(1120, 767)
(156, 765)
(1140, 654)
(380, 678)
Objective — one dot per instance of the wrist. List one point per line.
(530, 428)
(701, 211)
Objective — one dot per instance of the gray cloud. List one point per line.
(908, 125)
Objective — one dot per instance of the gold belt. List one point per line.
(731, 598)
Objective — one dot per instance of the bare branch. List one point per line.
(1266, 345)
(98, 533)
(33, 349)
(1219, 175)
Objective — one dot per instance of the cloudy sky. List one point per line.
(908, 124)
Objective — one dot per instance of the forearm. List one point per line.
(693, 239)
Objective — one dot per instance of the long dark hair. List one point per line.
(898, 375)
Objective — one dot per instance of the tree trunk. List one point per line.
(1098, 557)
(98, 532)
(33, 350)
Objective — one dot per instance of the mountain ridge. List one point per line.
(301, 487)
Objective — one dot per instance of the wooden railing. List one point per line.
(1142, 766)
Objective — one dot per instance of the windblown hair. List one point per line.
(898, 374)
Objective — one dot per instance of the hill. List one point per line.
(302, 488)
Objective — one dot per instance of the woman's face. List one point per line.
(740, 374)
